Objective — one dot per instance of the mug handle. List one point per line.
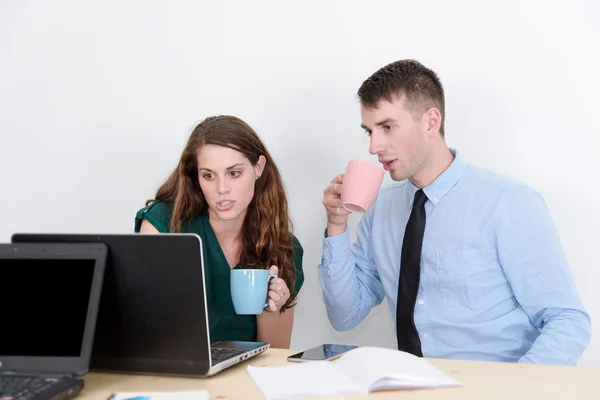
(269, 280)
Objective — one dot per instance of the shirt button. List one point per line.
(421, 301)
(326, 250)
(425, 335)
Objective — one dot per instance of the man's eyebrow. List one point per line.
(228, 168)
(383, 122)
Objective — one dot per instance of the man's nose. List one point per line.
(377, 144)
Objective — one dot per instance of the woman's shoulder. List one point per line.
(297, 245)
(158, 213)
(157, 207)
(298, 256)
(298, 253)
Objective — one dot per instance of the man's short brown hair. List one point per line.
(410, 80)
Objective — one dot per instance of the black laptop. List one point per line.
(49, 298)
(153, 316)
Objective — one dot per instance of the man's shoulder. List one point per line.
(495, 187)
(475, 179)
(388, 197)
(492, 180)
(391, 189)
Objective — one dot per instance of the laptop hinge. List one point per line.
(43, 374)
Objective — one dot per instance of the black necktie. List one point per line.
(410, 273)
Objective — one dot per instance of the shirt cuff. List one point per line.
(335, 248)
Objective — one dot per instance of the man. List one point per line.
(469, 260)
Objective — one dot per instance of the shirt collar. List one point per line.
(436, 190)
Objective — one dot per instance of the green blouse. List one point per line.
(224, 323)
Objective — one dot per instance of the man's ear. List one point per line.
(434, 120)
(260, 166)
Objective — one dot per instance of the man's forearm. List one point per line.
(564, 337)
(340, 294)
(349, 292)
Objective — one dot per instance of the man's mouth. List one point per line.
(388, 165)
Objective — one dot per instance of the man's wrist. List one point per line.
(334, 229)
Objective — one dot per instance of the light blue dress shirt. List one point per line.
(495, 283)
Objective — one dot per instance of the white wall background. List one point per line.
(98, 98)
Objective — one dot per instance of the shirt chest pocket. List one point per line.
(463, 275)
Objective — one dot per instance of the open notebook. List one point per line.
(362, 370)
(172, 395)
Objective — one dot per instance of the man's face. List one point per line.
(396, 137)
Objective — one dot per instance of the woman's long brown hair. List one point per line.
(267, 229)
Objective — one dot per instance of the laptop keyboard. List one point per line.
(219, 354)
(24, 387)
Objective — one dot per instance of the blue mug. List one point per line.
(249, 288)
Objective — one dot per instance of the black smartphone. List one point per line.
(325, 352)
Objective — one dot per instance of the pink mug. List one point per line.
(361, 184)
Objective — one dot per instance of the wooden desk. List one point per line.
(481, 380)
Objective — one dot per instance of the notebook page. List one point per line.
(316, 378)
(173, 395)
(368, 365)
(394, 384)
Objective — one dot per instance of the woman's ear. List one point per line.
(260, 166)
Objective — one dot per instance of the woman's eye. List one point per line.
(387, 127)
(207, 176)
(235, 174)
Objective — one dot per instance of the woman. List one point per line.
(228, 190)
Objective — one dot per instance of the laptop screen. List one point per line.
(44, 304)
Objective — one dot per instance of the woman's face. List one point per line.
(227, 179)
